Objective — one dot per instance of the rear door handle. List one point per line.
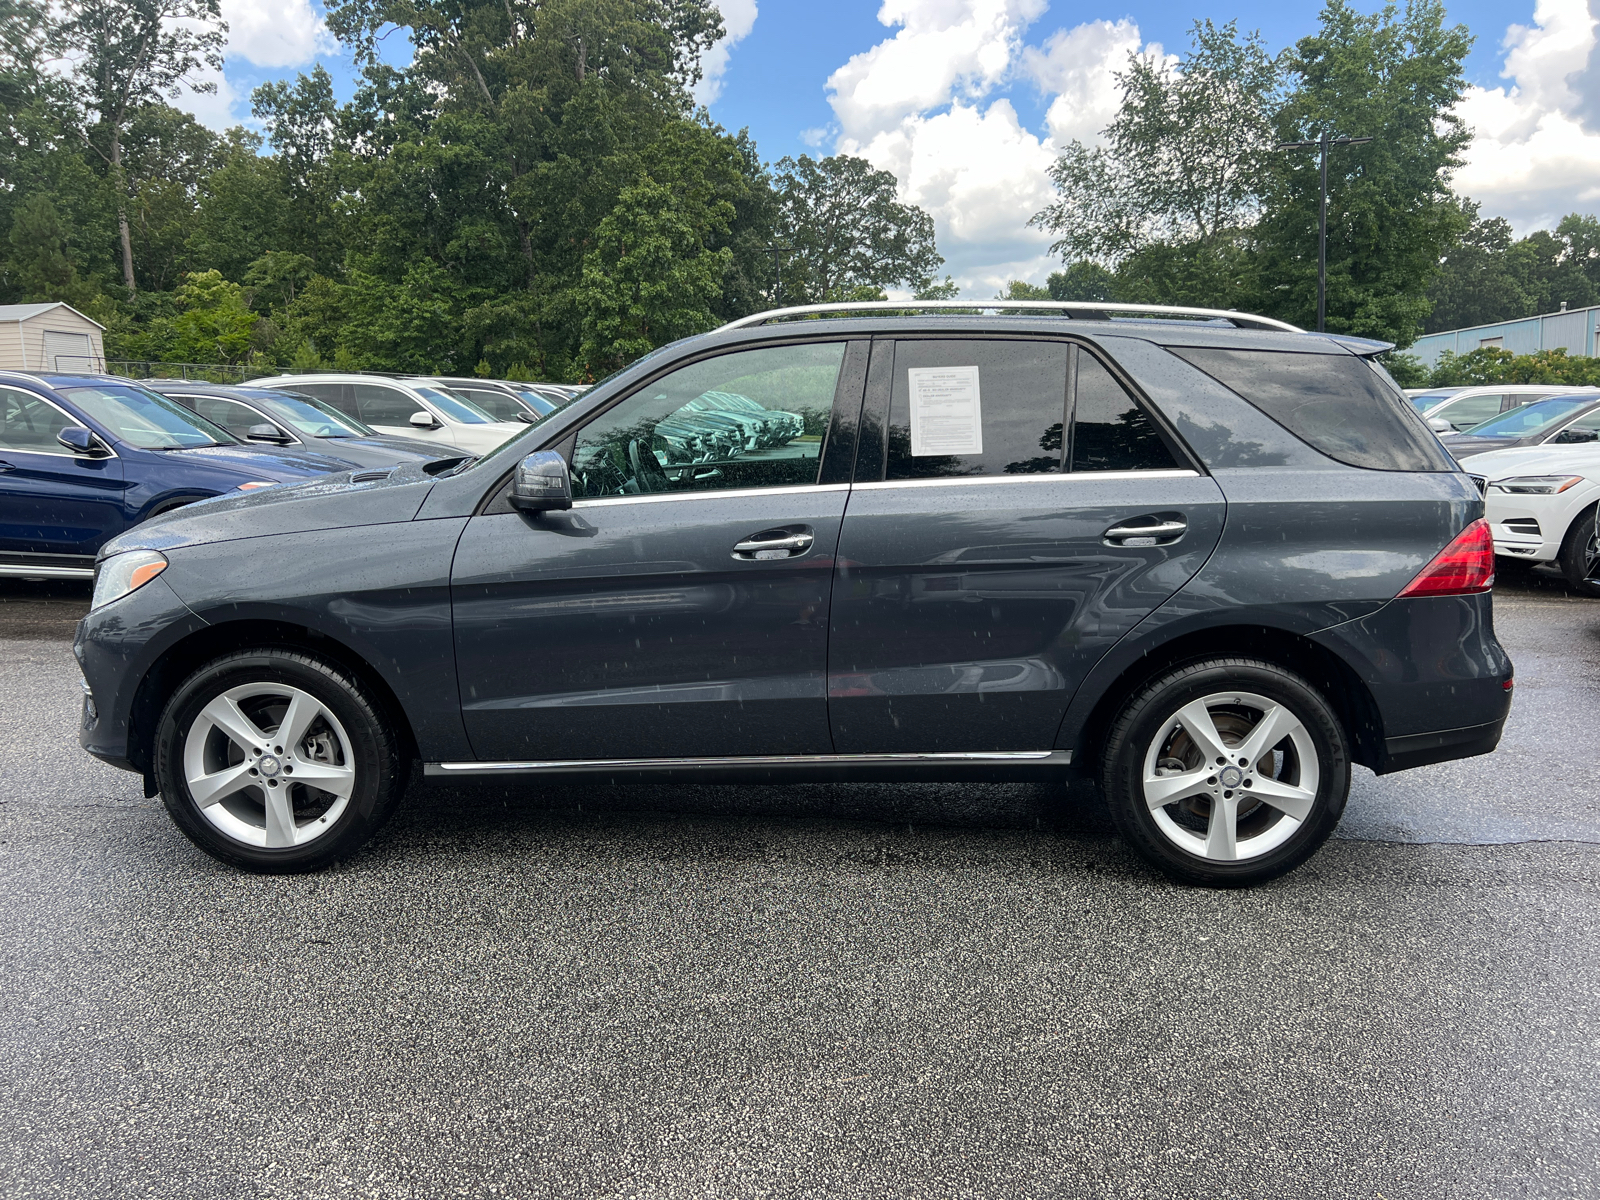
(1147, 531)
(789, 542)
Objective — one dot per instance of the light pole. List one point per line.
(777, 272)
(1322, 144)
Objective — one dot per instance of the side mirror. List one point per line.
(266, 433)
(424, 420)
(1440, 425)
(542, 483)
(1569, 436)
(80, 441)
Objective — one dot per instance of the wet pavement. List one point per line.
(851, 990)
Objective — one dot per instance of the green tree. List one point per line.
(129, 54)
(1182, 161)
(40, 261)
(847, 229)
(1082, 281)
(1394, 76)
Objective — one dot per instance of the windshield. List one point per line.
(1531, 418)
(541, 405)
(146, 420)
(460, 410)
(313, 418)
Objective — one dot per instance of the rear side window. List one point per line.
(964, 407)
(1335, 403)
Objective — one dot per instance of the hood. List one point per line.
(1538, 460)
(331, 502)
(1461, 446)
(286, 464)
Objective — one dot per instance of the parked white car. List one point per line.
(1455, 410)
(1541, 506)
(404, 408)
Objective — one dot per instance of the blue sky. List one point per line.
(967, 101)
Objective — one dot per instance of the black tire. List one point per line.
(1578, 549)
(373, 750)
(1151, 713)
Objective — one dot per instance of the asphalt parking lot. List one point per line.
(811, 991)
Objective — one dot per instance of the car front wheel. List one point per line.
(1226, 772)
(276, 761)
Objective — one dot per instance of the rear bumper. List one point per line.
(1436, 675)
(1420, 749)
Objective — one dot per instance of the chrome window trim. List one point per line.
(1054, 477)
(77, 422)
(1048, 757)
(713, 493)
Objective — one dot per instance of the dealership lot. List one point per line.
(818, 990)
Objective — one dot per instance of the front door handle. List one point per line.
(5, 466)
(789, 542)
(1158, 530)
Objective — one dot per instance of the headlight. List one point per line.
(1537, 485)
(256, 483)
(125, 572)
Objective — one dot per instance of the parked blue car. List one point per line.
(84, 457)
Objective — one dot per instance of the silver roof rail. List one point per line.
(1085, 310)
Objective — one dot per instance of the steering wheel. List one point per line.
(642, 476)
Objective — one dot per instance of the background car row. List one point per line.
(84, 457)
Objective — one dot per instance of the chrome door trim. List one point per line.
(22, 571)
(715, 494)
(1044, 757)
(1056, 477)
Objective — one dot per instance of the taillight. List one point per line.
(1463, 568)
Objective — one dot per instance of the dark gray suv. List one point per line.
(1204, 558)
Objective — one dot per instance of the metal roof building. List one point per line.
(50, 337)
(1572, 330)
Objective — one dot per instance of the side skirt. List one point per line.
(783, 768)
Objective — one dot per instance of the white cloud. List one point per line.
(919, 104)
(215, 110)
(276, 33)
(738, 19)
(943, 47)
(1532, 160)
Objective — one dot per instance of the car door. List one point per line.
(237, 418)
(1016, 511)
(680, 609)
(51, 500)
(389, 410)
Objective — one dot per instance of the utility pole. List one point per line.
(777, 272)
(1322, 144)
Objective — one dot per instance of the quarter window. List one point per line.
(754, 418)
(1110, 432)
(29, 422)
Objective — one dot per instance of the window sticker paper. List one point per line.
(946, 411)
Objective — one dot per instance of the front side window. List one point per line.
(1469, 410)
(379, 405)
(146, 420)
(457, 408)
(29, 422)
(315, 418)
(970, 407)
(754, 418)
(238, 419)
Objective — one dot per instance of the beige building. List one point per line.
(49, 337)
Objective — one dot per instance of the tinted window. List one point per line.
(751, 419)
(27, 422)
(1469, 410)
(379, 405)
(145, 419)
(236, 418)
(497, 404)
(335, 394)
(1110, 432)
(463, 412)
(973, 407)
(1333, 402)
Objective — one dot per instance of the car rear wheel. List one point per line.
(1226, 772)
(276, 761)
(1579, 551)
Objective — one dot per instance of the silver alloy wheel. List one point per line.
(269, 765)
(1231, 776)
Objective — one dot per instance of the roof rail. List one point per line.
(1084, 310)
